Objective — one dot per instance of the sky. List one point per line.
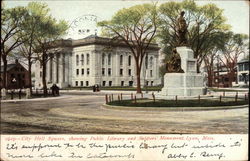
(78, 13)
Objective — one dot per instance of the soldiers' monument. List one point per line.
(182, 78)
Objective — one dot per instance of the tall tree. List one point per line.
(202, 21)
(216, 43)
(11, 20)
(48, 30)
(136, 27)
(235, 45)
(36, 11)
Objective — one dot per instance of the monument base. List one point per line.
(183, 84)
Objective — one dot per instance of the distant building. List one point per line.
(242, 73)
(17, 76)
(222, 77)
(96, 60)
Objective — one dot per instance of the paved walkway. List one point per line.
(82, 114)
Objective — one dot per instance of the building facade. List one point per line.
(242, 73)
(95, 60)
(17, 76)
(222, 78)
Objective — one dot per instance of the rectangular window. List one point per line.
(88, 71)
(129, 60)
(77, 71)
(246, 66)
(130, 83)
(103, 71)
(129, 72)
(122, 83)
(81, 83)
(121, 59)
(76, 83)
(77, 60)
(87, 83)
(109, 59)
(103, 83)
(110, 83)
(88, 59)
(109, 71)
(121, 72)
(240, 67)
(82, 71)
(151, 73)
(41, 74)
(103, 59)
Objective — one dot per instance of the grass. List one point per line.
(179, 103)
(227, 90)
(125, 88)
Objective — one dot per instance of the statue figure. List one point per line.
(182, 30)
(174, 63)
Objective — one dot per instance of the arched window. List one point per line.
(77, 59)
(87, 59)
(121, 60)
(109, 59)
(129, 60)
(151, 62)
(146, 62)
(82, 59)
(103, 59)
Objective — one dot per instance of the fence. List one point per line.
(199, 98)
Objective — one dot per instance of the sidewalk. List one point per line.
(37, 99)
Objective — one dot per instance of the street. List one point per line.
(83, 114)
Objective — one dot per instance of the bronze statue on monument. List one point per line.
(182, 30)
(174, 63)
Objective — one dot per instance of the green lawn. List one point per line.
(227, 90)
(179, 103)
(125, 88)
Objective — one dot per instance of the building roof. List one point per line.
(9, 67)
(96, 40)
(243, 61)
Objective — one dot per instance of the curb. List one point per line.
(174, 108)
(34, 99)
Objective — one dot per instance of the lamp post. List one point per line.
(13, 81)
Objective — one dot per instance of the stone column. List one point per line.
(116, 69)
(54, 68)
(51, 70)
(70, 65)
(60, 68)
(48, 71)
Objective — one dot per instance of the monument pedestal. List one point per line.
(189, 83)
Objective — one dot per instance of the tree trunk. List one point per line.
(29, 74)
(45, 92)
(210, 78)
(138, 78)
(231, 78)
(4, 72)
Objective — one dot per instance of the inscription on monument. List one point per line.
(191, 66)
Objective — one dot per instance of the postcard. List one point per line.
(124, 80)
